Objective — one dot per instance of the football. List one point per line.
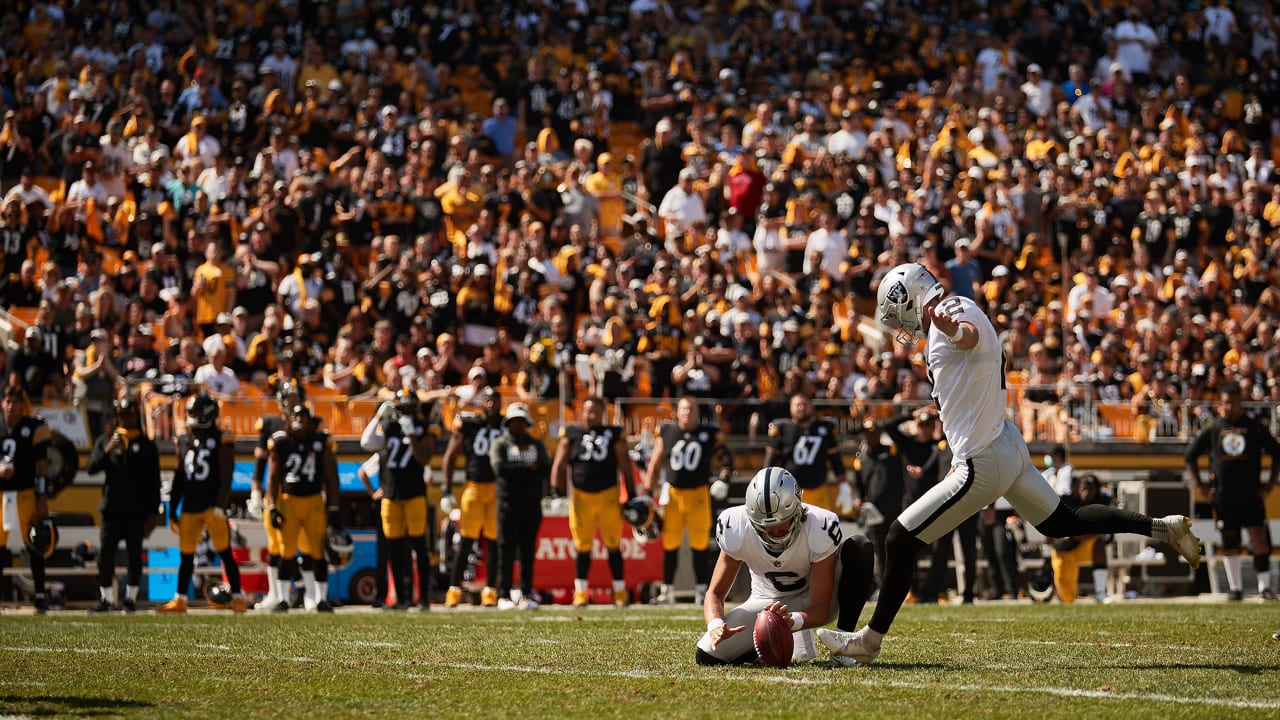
(773, 640)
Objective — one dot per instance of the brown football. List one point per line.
(773, 640)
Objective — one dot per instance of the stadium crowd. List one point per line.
(701, 198)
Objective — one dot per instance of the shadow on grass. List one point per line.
(57, 706)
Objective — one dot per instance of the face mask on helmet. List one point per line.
(903, 295)
(339, 548)
(643, 515)
(775, 508)
(299, 419)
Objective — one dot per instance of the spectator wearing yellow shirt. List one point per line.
(461, 204)
(315, 68)
(212, 287)
(606, 187)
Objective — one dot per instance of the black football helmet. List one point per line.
(298, 420)
(407, 403)
(290, 393)
(218, 595)
(202, 412)
(339, 548)
(84, 555)
(644, 516)
(126, 412)
(42, 537)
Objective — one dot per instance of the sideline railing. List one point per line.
(1045, 413)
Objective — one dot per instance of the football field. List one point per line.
(1131, 660)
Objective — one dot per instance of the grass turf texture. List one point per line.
(1126, 661)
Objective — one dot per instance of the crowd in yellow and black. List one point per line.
(699, 196)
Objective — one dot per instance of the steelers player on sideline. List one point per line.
(201, 488)
(288, 394)
(1235, 443)
(23, 468)
(594, 456)
(404, 442)
(473, 434)
(301, 487)
(801, 567)
(990, 459)
(805, 446)
(682, 451)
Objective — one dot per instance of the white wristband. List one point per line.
(715, 623)
(797, 621)
(953, 339)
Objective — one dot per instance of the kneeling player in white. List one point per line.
(800, 565)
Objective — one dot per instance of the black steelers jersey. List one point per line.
(593, 463)
(400, 474)
(477, 436)
(268, 426)
(22, 446)
(302, 462)
(803, 451)
(688, 454)
(197, 478)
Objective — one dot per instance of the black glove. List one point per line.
(276, 517)
(335, 518)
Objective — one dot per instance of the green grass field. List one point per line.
(1133, 660)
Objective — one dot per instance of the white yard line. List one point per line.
(841, 677)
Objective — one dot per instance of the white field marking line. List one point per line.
(781, 679)
(1047, 690)
(371, 644)
(963, 637)
(212, 646)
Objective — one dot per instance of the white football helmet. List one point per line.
(901, 300)
(773, 498)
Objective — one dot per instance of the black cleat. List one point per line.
(130, 606)
(324, 607)
(40, 605)
(1235, 595)
(281, 607)
(102, 607)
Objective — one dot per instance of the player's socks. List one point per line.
(1235, 577)
(1100, 583)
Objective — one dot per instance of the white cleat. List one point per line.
(849, 645)
(505, 604)
(1182, 539)
(527, 604)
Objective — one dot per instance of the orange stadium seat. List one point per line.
(1119, 418)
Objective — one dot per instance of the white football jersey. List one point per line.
(968, 385)
(786, 575)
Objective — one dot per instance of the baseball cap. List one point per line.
(1034, 68)
(517, 411)
(224, 318)
(476, 373)
(1000, 271)
(688, 174)
(664, 126)
(963, 242)
(791, 326)
(158, 247)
